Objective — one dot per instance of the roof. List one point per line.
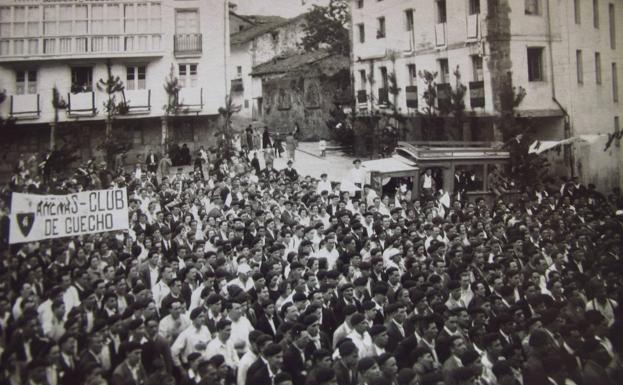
(297, 61)
(386, 165)
(265, 24)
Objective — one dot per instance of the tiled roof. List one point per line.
(298, 61)
(265, 24)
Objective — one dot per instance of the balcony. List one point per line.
(190, 99)
(473, 28)
(362, 100)
(187, 44)
(138, 101)
(236, 85)
(26, 106)
(49, 47)
(412, 96)
(444, 93)
(477, 94)
(440, 34)
(81, 104)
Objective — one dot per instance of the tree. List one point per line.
(111, 86)
(5, 121)
(326, 28)
(225, 136)
(457, 103)
(431, 119)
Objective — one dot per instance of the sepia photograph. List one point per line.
(311, 192)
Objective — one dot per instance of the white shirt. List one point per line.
(243, 367)
(331, 256)
(362, 342)
(159, 291)
(170, 328)
(240, 331)
(216, 346)
(187, 341)
(324, 185)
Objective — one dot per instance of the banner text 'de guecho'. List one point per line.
(37, 217)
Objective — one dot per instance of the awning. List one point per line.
(540, 146)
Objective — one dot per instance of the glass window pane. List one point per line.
(112, 11)
(49, 13)
(20, 13)
(81, 12)
(66, 12)
(97, 11)
(5, 30)
(33, 13)
(5, 14)
(19, 29)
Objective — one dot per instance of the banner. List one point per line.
(37, 217)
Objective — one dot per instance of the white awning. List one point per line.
(393, 164)
(540, 146)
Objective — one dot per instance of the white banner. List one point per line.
(37, 217)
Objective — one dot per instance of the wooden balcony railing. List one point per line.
(189, 43)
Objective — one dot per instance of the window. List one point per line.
(597, 68)
(362, 79)
(615, 83)
(135, 78)
(81, 19)
(612, 30)
(477, 67)
(359, 4)
(50, 19)
(535, 64)
(444, 71)
(188, 75)
(441, 11)
(532, 7)
(97, 18)
(474, 7)
(239, 71)
(412, 74)
(186, 22)
(596, 13)
(362, 32)
(384, 78)
(577, 11)
(380, 33)
(81, 79)
(409, 19)
(579, 66)
(137, 135)
(26, 82)
(112, 22)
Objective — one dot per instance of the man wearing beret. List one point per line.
(130, 371)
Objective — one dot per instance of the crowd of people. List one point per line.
(249, 276)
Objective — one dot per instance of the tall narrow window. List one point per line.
(444, 71)
(188, 75)
(26, 82)
(532, 7)
(474, 7)
(409, 19)
(359, 4)
(81, 79)
(384, 78)
(579, 66)
(239, 71)
(477, 66)
(535, 64)
(612, 26)
(597, 68)
(362, 79)
(412, 74)
(362, 32)
(441, 11)
(596, 13)
(615, 83)
(577, 11)
(380, 32)
(135, 78)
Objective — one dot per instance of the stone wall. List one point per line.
(307, 101)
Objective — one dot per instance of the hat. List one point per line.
(453, 285)
(376, 330)
(299, 297)
(356, 161)
(272, 349)
(310, 320)
(347, 348)
(356, 319)
(196, 313)
(469, 357)
(368, 305)
(365, 363)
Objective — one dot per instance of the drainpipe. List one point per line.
(566, 121)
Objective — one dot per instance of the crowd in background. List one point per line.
(239, 274)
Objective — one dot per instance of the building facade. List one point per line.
(566, 55)
(70, 45)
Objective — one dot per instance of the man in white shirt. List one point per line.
(223, 345)
(240, 325)
(357, 176)
(324, 184)
(360, 336)
(329, 252)
(174, 323)
(194, 338)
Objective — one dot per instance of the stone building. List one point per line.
(303, 89)
(565, 54)
(69, 44)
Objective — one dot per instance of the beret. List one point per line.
(217, 360)
(379, 289)
(195, 313)
(384, 357)
(469, 357)
(213, 298)
(310, 319)
(320, 354)
(356, 319)
(222, 323)
(135, 324)
(349, 310)
(131, 346)
(347, 348)
(299, 297)
(272, 349)
(368, 305)
(377, 329)
(453, 285)
(365, 363)
(193, 356)
(419, 352)
(360, 281)
(346, 286)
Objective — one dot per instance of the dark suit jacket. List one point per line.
(395, 336)
(594, 374)
(448, 369)
(157, 348)
(122, 375)
(294, 364)
(66, 374)
(258, 374)
(264, 326)
(342, 374)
